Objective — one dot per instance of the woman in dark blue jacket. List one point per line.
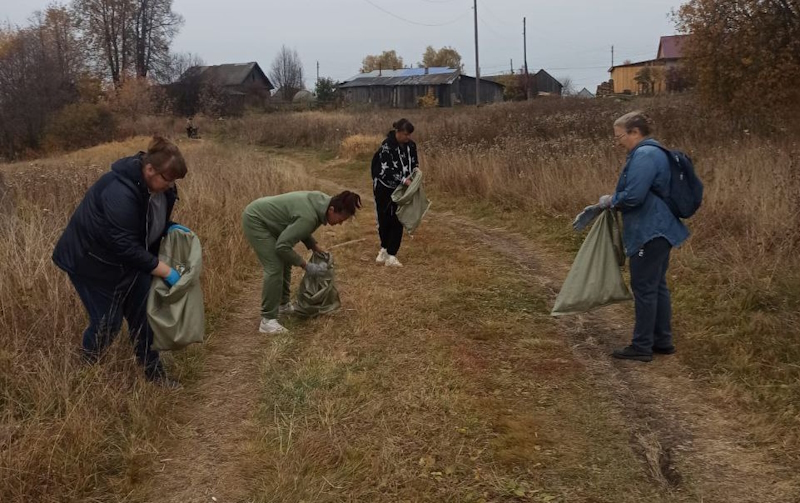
(650, 231)
(110, 249)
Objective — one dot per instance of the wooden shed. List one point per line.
(668, 56)
(404, 88)
(546, 84)
(240, 84)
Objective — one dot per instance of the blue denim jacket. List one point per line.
(645, 216)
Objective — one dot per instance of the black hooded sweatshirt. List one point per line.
(393, 162)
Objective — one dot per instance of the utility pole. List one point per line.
(525, 57)
(477, 59)
(612, 56)
(318, 72)
(512, 66)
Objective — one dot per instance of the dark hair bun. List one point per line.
(346, 202)
(403, 125)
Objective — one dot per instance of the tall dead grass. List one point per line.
(74, 433)
(736, 288)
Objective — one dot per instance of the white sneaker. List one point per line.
(382, 256)
(287, 308)
(392, 261)
(271, 327)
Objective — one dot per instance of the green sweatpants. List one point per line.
(277, 275)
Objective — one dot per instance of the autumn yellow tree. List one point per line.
(387, 60)
(444, 57)
(744, 55)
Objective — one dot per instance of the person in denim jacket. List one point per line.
(650, 231)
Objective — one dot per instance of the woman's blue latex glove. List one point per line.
(172, 278)
(178, 227)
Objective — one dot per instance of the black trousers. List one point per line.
(390, 229)
(107, 308)
(653, 304)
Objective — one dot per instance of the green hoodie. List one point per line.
(291, 218)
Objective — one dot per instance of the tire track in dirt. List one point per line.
(685, 441)
(687, 444)
(212, 452)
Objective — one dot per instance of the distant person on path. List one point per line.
(650, 231)
(392, 166)
(191, 130)
(110, 250)
(274, 225)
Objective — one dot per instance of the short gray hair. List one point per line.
(636, 120)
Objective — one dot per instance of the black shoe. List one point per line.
(665, 351)
(159, 377)
(165, 382)
(629, 353)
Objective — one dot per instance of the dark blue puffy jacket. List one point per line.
(106, 238)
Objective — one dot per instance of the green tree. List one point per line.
(514, 87)
(325, 90)
(444, 57)
(387, 60)
(645, 79)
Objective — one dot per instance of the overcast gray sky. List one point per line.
(566, 37)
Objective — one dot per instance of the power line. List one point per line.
(409, 21)
(487, 9)
(489, 27)
(605, 67)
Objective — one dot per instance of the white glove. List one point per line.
(316, 269)
(586, 217)
(606, 201)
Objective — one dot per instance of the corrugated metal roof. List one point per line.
(404, 77)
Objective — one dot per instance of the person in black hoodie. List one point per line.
(109, 249)
(392, 166)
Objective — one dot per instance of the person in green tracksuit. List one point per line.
(274, 225)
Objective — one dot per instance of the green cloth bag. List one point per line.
(411, 202)
(318, 294)
(177, 314)
(595, 279)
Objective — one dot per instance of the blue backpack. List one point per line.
(685, 188)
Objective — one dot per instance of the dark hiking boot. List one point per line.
(665, 351)
(158, 376)
(629, 353)
(162, 381)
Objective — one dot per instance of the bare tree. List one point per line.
(154, 27)
(286, 73)
(128, 37)
(176, 67)
(568, 88)
(39, 70)
(58, 32)
(107, 27)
